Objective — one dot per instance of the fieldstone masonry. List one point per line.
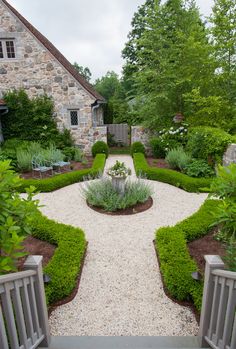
(141, 134)
(37, 71)
(230, 155)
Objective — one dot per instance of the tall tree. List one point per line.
(223, 32)
(111, 87)
(84, 71)
(173, 58)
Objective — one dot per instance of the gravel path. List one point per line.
(121, 292)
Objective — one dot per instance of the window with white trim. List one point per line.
(74, 117)
(7, 48)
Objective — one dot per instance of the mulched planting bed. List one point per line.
(37, 247)
(75, 166)
(160, 163)
(206, 245)
(140, 207)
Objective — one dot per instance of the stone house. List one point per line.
(30, 61)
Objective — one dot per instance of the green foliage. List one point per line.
(66, 262)
(62, 180)
(175, 262)
(51, 154)
(16, 214)
(178, 159)
(32, 119)
(158, 149)
(198, 168)
(78, 156)
(208, 143)
(102, 194)
(100, 147)
(84, 71)
(175, 178)
(225, 218)
(230, 257)
(137, 147)
(111, 87)
(224, 185)
(24, 160)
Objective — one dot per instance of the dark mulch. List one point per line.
(206, 245)
(161, 163)
(141, 207)
(75, 166)
(34, 246)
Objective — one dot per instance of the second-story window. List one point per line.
(7, 49)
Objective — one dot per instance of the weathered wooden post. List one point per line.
(35, 263)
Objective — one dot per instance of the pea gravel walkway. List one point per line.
(121, 292)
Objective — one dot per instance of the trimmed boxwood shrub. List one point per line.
(66, 263)
(62, 180)
(208, 143)
(176, 264)
(100, 147)
(137, 147)
(193, 185)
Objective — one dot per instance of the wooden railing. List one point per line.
(23, 310)
(218, 316)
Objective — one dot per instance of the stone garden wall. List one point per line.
(230, 155)
(86, 137)
(143, 135)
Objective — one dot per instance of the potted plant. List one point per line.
(118, 173)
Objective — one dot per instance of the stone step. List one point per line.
(124, 343)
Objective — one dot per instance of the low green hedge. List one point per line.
(172, 177)
(62, 180)
(176, 264)
(66, 263)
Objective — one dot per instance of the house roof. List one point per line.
(56, 53)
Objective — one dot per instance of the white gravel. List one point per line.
(121, 291)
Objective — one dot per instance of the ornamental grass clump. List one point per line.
(101, 193)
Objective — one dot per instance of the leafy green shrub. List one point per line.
(102, 194)
(199, 168)
(69, 153)
(24, 160)
(16, 215)
(78, 156)
(137, 147)
(100, 147)
(51, 154)
(173, 137)
(178, 159)
(66, 262)
(158, 148)
(62, 180)
(224, 185)
(230, 257)
(208, 143)
(175, 262)
(170, 176)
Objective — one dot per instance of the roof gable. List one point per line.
(55, 53)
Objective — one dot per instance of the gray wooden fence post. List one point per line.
(35, 263)
(212, 262)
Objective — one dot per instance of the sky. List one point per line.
(90, 32)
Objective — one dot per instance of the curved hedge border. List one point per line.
(66, 263)
(176, 264)
(62, 180)
(172, 177)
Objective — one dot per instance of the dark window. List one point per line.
(74, 119)
(1, 50)
(10, 49)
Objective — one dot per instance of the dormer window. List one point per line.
(7, 48)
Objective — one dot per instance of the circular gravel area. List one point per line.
(121, 291)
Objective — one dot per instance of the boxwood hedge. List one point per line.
(62, 180)
(176, 264)
(172, 177)
(66, 263)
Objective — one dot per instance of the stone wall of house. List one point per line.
(230, 155)
(86, 137)
(143, 135)
(38, 72)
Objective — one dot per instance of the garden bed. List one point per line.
(75, 166)
(206, 245)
